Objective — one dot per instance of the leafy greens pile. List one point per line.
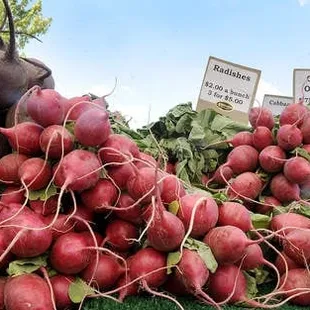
(195, 141)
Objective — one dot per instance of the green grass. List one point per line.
(155, 303)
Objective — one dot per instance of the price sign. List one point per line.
(228, 88)
(301, 85)
(276, 103)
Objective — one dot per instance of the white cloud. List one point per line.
(140, 108)
(302, 2)
(124, 99)
(266, 88)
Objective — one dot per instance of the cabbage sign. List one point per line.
(276, 103)
(228, 88)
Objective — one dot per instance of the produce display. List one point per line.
(93, 209)
(194, 209)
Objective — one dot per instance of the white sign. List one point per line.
(228, 88)
(276, 103)
(301, 85)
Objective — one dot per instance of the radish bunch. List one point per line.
(105, 218)
(270, 174)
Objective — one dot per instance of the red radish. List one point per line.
(296, 245)
(90, 239)
(192, 272)
(117, 149)
(228, 243)
(174, 286)
(234, 214)
(128, 290)
(120, 235)
(60, 284)
(51, 140)
(27, 291)
(262, 137)
(24, 137)
(13, 194)
(9, 165)
(272, 158)
(266, 204)
(105, 274)
(35, 173)
(305, 129)
(145, 261)
(242, 158)
(306, 147)
(241, 138)
(84, 214)
(93, 127)
(206, 214)
(293, 114)
(173, 189)
(101, 196)
(44, 207)
(46, 100)
(78, 104)
(297, 279)
(148, 210)
(297, 170)
(61, 226)
(259, 116)
(166, 230)
(290, 220)
(279, 263)
(11, 210)
(289, 137)
(145, 160)
(69, 253)
(2, 285)
(221, 175)
(101, 101)
(143, 184)
(132, 214)
(246, 186)
(228, 282)
(4, 242)
(120, 174)
(78, 170)
(31, 242)
(170, 168)
(254, 258)
(283, 190)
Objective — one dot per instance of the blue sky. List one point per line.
(158, 50)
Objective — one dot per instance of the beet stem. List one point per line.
(47, 279)
(10, 53)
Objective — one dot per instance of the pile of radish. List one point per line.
(104, 219)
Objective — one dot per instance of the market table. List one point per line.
(155, 303)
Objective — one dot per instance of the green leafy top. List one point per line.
(78, 290)
(26, 265)
(204, 252)
(195, 141)
(43, 194)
